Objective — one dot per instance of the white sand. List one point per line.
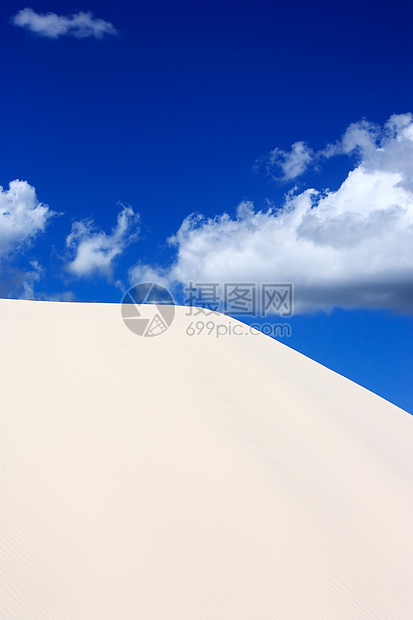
(193, 478)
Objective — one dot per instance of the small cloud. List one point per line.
(147, 273)
(119, 285)
(30, 279)
(17, 283)
(52, 26)
(95, 251)
(291, 163)
(64, 296)
(22, 216)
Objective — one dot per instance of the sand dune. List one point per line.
(182, 477)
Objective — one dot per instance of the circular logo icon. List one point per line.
(148, 309)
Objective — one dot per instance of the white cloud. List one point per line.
(22, 216)
(292, 163)
(363, 138)
(351, 248)
(147, 273)
(95, 251)
(30, 278)
(53, 26)
(17, 283)
(66, 296)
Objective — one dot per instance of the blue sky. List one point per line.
(285, 125)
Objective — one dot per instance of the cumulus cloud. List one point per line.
(94, 251)
(350, 248)
(22, 216)
(53, 26)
